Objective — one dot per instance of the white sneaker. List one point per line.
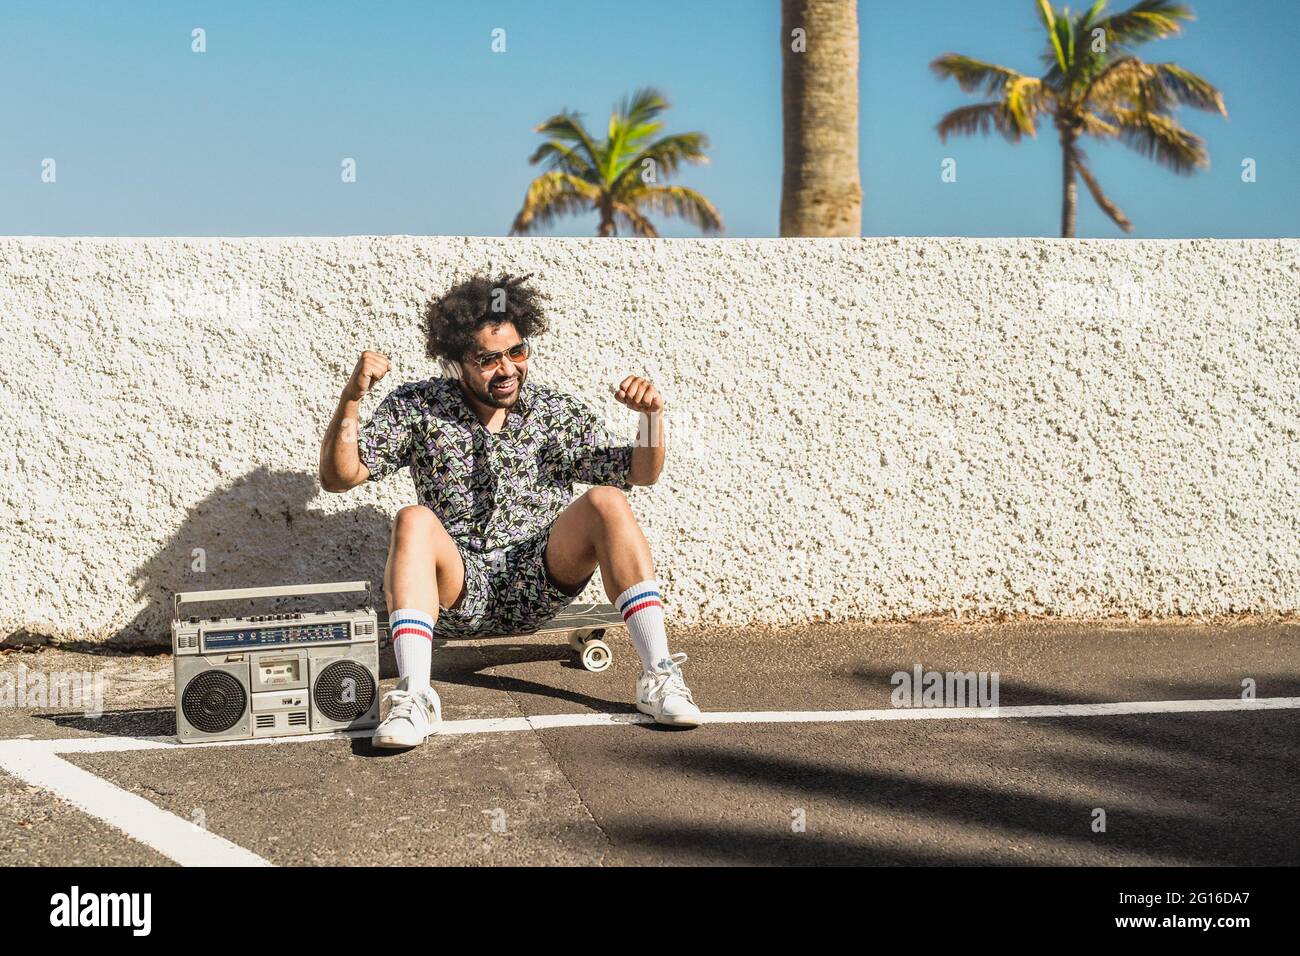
(663, 694)
(412, 716)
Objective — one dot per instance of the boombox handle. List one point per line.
(234, 594)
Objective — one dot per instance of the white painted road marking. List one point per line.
(37, 761)
(177, 839)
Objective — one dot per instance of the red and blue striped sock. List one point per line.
(643, 612)
(412, 635)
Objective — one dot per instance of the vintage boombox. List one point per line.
(275, 674)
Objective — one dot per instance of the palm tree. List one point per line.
(619, 176)
(821, 191)
(1095, 85)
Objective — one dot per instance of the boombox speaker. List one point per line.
(275, 674)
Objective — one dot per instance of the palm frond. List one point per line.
(1107, 205)
(563, 157)
(1160, 137)
(635, 223)
(630, 124)
(551, 196)
(1094, 125)
(974, 76)
(1065, 36)
(1152, 87)
(642, 106)
(980, 118)
(678, 201)
(1088, 63)
(1145, 20)
(1048, 17)
(1026, 98)
(567, 127)
(1119, 80)
(1086, 22)
(1189, 89)
(668, 153)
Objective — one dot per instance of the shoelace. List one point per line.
(671, 682)
(403, 702)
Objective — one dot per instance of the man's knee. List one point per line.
(417, 527)
(419, 536)
(609, 502)
(414, 519)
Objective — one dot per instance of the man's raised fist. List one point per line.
(371, 367)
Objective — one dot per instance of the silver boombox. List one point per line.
(275, 674)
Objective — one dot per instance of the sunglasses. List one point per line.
(489, 361)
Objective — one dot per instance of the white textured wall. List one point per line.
(870, 428)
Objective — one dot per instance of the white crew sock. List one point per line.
(412, 636)
(644, 615)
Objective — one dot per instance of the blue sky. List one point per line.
(247, 139)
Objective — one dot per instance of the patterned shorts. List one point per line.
(507, 591)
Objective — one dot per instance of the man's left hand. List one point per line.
(639, 395)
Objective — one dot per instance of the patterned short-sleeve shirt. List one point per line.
(491, 490)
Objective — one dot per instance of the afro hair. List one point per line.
(452, 321)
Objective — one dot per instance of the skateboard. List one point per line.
(584, 626)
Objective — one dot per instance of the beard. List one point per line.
(488, 398)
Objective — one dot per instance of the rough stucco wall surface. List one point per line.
(859, 428)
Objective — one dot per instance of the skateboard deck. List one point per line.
(583, 625)
(578, 617)
(575, 617)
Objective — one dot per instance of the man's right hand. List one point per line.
(371, 367)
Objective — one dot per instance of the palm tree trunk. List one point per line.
(1070, 187)
(821, 191)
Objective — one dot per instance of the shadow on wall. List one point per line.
(257, 532)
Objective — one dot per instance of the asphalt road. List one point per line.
(1176, 788)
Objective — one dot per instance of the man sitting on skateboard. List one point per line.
(497, 545)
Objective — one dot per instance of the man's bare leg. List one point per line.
(423, 563)
(600, 529)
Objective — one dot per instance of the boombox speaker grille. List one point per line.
(213, 702)
(344, 691)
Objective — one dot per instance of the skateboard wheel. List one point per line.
(596, 655)
(579, 639)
